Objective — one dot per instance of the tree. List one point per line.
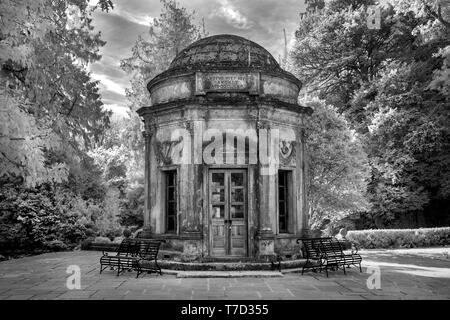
(435, 31)
(336, 53)
(338, 167)
(120, 162)
(392, 85)
(48, 101)
(152, 54)
(167, 36)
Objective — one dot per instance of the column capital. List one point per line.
(189, 126)
(301, 133)
(150, 128)
(262, 124)
(147, 134)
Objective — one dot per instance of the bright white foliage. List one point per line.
(22, 141)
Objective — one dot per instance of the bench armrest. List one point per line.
(349, 246)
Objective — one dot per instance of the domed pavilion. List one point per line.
(224, 152)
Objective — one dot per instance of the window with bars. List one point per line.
(283, 201)
(171, 201)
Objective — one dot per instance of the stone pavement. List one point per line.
(405, 274)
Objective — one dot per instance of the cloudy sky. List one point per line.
(261, 21)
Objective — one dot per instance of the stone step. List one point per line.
(228, 266)
(228, 274)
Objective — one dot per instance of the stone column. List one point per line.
(266, 202)
(305, 187)
(192, 173)
(302, 224)
(150, 130)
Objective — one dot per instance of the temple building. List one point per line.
(224, 166)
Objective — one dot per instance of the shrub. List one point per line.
(86, 244)
(102, 240)
(118, 240)
(55, 245)
(113, 233)
(108, 222)
(126, 233)
(33, 218)
(91, 231)
(400, 238)
(132, 209)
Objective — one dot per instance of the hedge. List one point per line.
(400, 238)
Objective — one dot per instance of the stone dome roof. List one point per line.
(224, 51)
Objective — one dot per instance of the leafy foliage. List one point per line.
(48, 101)
(392, 86)
(33, 218)
(400, 238)
(51, 113)
(132, 213)
(167, 36)
(122, 167)
(337, 166)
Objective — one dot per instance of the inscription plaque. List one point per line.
(226, 82)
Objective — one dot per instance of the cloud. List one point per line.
(132, 12)
(117, 109)
(232, 15)
(138, 18)
(108, 84)
(120, 34)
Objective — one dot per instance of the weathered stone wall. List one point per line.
(167, 152)
(194, 84)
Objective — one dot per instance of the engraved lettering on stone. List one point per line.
(227, 82)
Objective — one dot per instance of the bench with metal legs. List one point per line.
(123, 259)
(148, 257)
(136, 254)
(327, 254)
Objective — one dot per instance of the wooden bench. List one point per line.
(133, 254)
(327, 254)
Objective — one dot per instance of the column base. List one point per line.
(265, 244)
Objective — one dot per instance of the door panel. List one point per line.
(228, 195)
(218, 208)
(237, 181)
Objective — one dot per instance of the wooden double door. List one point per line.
(228, 212)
